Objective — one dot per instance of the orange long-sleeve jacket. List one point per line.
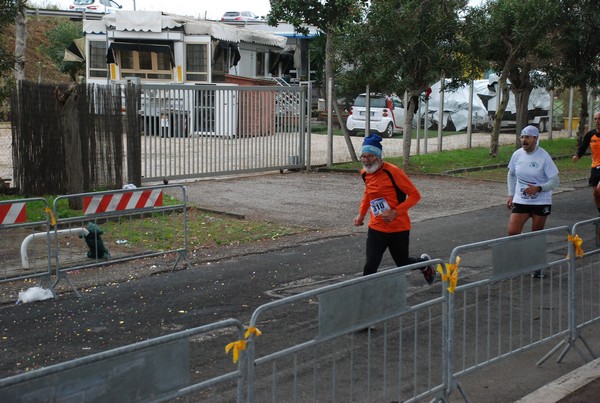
(592, 140)
(400, 197)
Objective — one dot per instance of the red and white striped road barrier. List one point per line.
(13, 213)
(122, 201)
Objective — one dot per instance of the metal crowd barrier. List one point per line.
(586, 274)
(584, 283)
(25, 239)
(154, 370)
(320, 345)
(508, 307)
(118, 226)
(331, 353)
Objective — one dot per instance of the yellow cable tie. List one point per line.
(48, 210)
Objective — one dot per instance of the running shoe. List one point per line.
(429, 271)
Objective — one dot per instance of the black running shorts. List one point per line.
(594, 176)
(532, 209)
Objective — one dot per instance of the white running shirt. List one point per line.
(532, 169)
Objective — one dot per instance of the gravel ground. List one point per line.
(330, 200)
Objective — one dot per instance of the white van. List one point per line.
(95, 6)
(387, 115)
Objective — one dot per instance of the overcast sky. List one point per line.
(209, 9)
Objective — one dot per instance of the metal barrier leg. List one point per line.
(179, 256)
(570, 343)
(566, 350)
(549, 354)
(59, 276)
(462, 392)
(587, 346)
(44, 280)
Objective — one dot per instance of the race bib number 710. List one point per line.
(378, 206)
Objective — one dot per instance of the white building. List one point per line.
(162, 48)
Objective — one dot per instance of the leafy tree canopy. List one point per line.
(59, 39)
(515, 36)
(406, 45)
(322, 14)
(8, 13)
(578, 44)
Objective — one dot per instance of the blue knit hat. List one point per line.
(372, 145)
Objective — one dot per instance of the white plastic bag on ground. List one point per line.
(34, 294)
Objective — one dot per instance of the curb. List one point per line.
(566, 385)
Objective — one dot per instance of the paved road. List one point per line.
(453, 212)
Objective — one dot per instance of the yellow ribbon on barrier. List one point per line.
(237, 346)
(48, 210)
(451, 275)
(577, 241)
(252, 330)
(240, 345)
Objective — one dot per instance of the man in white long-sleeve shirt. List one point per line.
(532, 174)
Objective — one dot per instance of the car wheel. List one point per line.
(389, 131)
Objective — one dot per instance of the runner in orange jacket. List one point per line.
(389, 194)
(592, 140)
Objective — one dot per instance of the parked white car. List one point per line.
(240, 16)
(387, 115)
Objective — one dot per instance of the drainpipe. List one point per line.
(31, 237)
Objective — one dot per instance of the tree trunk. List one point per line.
(338, 113)
(494, 140)
(336, 107)
(522, 106)
(407, 135)
(133, 134)
(20, 45)
(70, 122)
(583, 114)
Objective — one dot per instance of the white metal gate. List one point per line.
(205, 130)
